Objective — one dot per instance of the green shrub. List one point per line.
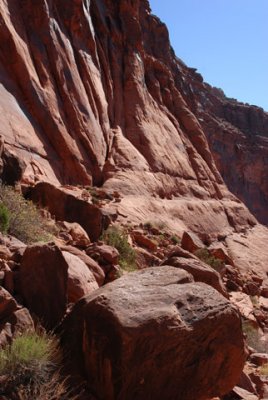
(205, 256)
(29, 369)
(4, 218)
(24, 219)
(29, 358)
(175, 239)
(117, 238)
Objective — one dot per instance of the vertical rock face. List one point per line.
(91, 89)
(238, 138)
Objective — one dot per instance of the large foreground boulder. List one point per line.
(155, 334)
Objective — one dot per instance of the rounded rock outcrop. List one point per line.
(155, 334)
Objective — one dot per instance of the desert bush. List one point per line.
(30, 369)
(175, 239)
(28, 360)
(205, 256)
(27, 351)
(117, 238)
(23, 219)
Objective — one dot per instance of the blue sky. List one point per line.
(226, 40)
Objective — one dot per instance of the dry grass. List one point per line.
(253, 337)
(22, 219)
(30, 369)
(264, 370)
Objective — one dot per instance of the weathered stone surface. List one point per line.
(143, 240)
(220, 252)
(44, 279)
(78, 235)
(155, 334)
(14, 319)
(5, 253)
(177, 251)
(246, 383)
(191, 242)
(103, 253)
(50, 279)
(65, 205)
(199, 270)
(92, 265)
(81, 281)
(264, 290)
(244, 304)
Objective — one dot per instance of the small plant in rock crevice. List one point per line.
(117, 238)
(175, 239)
(205, 256)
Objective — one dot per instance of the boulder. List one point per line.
(146, 259)
(103, 253)
(78, 236)
(178, 251)
(14, 319)
(13, 167)
(143, 240)
(90, 263)
(50, 278)
(251, 288)
(199, 270)
(244, 304)
(5, 253)
(155, 334)
(264, 289)
(220, 252)
(81, 280)
(11, 246)
(66, 206)
(191, 242)
(246, 383)
(44, 280)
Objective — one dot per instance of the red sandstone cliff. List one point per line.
(91, 92)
